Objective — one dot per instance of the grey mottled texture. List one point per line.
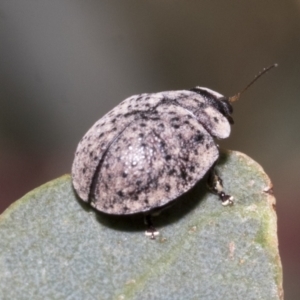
(148, 150)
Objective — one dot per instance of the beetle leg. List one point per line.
(151, 231)
(215, 184)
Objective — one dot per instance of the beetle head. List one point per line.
(216, 100)
(223, 104)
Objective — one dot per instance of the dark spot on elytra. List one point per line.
(143, 125)
(172, 172)
(124, 175)
(113, 120)
(138, 182)
(192, 168)
(198, 138)
(83, 170)
(175, 119)
(114, 129)
(120, 193)
(176, 126)
(161, 125)
(186, 122)
(168, 157)
(207, 146)
(101, 134)
(171, 112)
(184, 158)
(183, 174)
(163, 144)
(91, 153)
(179, 136)
(167, 187)
(141, 135)
(134, 128)
(216, 119)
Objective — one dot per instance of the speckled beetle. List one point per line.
(152, 148)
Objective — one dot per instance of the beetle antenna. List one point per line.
(264, 71)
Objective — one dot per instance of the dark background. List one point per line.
(64, 63)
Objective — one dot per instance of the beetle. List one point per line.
(152, 148)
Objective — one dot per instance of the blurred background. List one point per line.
(63, 64)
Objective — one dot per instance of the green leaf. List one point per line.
(55, 247)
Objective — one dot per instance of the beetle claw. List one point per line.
(151, 231)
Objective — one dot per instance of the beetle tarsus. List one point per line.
(215, 184)
(151, 230)
(226, 199)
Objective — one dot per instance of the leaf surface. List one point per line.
(53, 246)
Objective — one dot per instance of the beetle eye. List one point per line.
(226, 106)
